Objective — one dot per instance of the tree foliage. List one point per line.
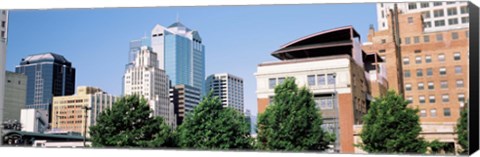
(292, 122)
(212, 126)
(462, 130)
(129, 124)
(392, 127)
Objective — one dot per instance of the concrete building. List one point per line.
(332, 65)
(437, 16)
(69, 114)
(434, 62)
(144, 78)
(3, 56)
(180, 53)
(184, 98)
(229, 88)
(34, 120)
(15, 95)
(48, 75)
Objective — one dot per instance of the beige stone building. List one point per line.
(68, 112)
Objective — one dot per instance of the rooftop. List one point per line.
(45, 57)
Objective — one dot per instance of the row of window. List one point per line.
(433, 112)
(413, 6)
(428, 58)
(442, 72)
(441, 22)
(431, 85)
(438, 37)
(432, 99)
(312, 80)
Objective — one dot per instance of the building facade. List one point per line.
(229, 88)
(15, 95)
(48, 75)
(69, 113)
(434, 61)
(184, 98)
(34, 120)
(3, 56)
(180, 53)
(145, 79)
(331, 64)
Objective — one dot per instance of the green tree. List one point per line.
(212, 126)
(129, 124)
(392, 127)
(462, 130)
(292, 122)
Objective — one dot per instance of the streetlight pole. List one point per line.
(86, 108)
(335, 107)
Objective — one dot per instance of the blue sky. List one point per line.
(236, 38)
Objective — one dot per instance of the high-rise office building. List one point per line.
(180, 53)
(145, 79)
(433, 59)
(15, 95)
(69, 114)
(184, 98)
(48, 75)
(229, 88)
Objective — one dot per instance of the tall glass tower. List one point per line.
(48, 75)
(181, 53)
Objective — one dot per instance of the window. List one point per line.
(321, 79)
(416, 39)
(419, 72)
(418, 60)
(418, 51)
(426, 14)
(271, 83)
(406, 61)
(445, 98)
(454, 35)
(446, 112)
(431, 99)
(441, 57)
(444, 84)
(408, 87)
(439, 23)
(423, 113)
(383, 24)
(406, 73)
(431, 86)
(439, 37)
(465, 19)
(410, 19)
(433, 112)
(3, 24)
(426, 38)
(427, 24)
(407, 40)
(456, 56)
(2, 34)
(330, 79)
(410, 99)
(428, 59)
(450, 2)
(451, 11)
(464, 10)
(424, 5)
(453, 21)
(460, 84)
(383, 41)
(383, 14)
(421, 99)
(461, 97)
(280, 80)
(437, 3)
(438, 13)
(429, 72)
(458, 69)
(311, 80)
(412, 6)
(381, 51)
(443, 71)
(420, 86)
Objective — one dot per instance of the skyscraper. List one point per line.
(228, 88)
(48, 75)
(144, 78)
(181, 53)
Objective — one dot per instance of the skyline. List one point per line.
(229, 30)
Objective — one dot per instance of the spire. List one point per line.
(178, 19)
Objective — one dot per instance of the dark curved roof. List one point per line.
(41, 136)
(45, 57)
(328, 42)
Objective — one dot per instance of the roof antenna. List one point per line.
(178, 18)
